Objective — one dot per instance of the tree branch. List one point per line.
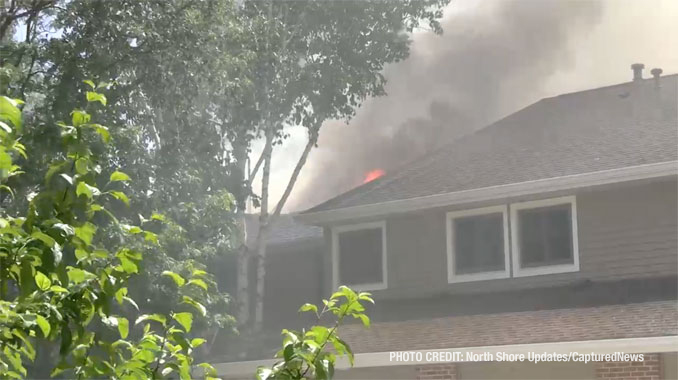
(312, 139)
(254, 171)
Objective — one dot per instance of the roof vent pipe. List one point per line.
(637, 71)
(656, 73)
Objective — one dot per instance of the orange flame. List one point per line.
(373, 174)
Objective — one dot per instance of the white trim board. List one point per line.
(658, 344)
(604, 177)
(518, 271)
(452, 277)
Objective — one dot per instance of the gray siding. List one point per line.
(626, 231)
(292, 279)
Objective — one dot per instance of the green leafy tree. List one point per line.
(313, 61)
(198, 82)
(308, 354)
(168, 61)
(59, 282)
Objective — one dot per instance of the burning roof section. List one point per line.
(629, 124)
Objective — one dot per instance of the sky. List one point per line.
(494, 58)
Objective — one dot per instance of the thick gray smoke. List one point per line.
(492, 59)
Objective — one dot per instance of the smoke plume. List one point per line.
(492, 59)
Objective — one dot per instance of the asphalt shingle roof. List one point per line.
(284, 230)
(638, 320)
(612, 127)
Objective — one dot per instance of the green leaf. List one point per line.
(158, 217)
(103, 132)
(321, 372)
(197, 305)
(42, 281)
(151, 237)
(86, 232)
(198, 273)
(5, 127)
(120, 294)
(81, 254)
(264, 373)
(27, 347)
(196, 342)
(208, 368)
(80, 117)
(119, 176)
(96, 97)
(110, 321)
(365, 319)
(151, 317)
(5, 160)
(343, 348)
(323, 368)
(81, 166)
(10, 111)
(198, 282)
(67, 229)
(176, 277)
(184, 319)
(90, 83)
(131, 229)
(123, 327)
(87, 190)
(100, 253)
(66, 177)
(119, 195)
(54, 169)
(58, 289)
(43, 237)
(365, 296)
(128, 265)
(166, 371)
(77, 275)
(319, 333)
(309, 307)
(131, 302)
(43, 324)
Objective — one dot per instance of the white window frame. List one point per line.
(335, 255)
(452, 277)
(515, 240)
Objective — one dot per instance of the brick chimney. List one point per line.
(637, 71)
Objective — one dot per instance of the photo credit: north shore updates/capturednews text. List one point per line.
(533, 357)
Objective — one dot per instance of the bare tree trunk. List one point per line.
(312, 139)
(242, 292)
(261, 275)
(265, 220)
(263, 230)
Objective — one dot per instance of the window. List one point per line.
(544, 237)
(359, 256)
(477, 244)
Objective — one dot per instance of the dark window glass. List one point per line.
(360, 257)
(545, 236)
(479, 243)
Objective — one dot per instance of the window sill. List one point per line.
(481, 276)
(365, 287)
(547, 269)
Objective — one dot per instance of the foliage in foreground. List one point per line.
(58, 283)
(307, 353)
(162, 137)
